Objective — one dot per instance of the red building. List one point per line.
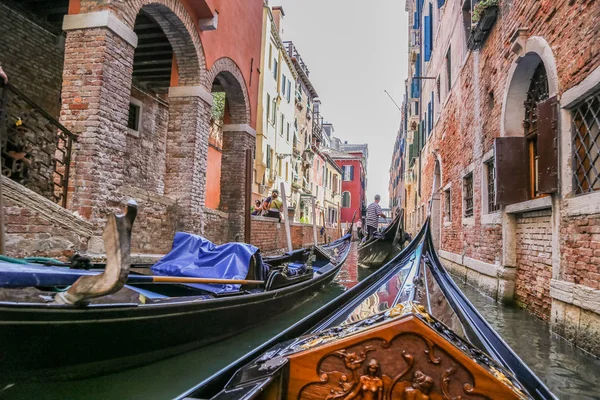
(354, 182)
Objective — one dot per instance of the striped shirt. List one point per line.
(373, 212)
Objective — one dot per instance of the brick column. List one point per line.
(237, 138)
(95, 103)
(187, 152)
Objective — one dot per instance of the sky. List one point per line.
(355, 50)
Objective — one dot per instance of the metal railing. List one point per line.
(36, 148)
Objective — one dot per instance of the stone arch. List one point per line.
(535, 51)
(229, 76)
(176, 22)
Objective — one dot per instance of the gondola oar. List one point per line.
(18, 275)
(143, 279)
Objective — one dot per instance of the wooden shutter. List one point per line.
(547, 145)
(427, 29)
(512, 171)
(352, 172)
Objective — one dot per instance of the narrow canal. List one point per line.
(569, 372)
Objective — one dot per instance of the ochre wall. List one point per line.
(213, 178)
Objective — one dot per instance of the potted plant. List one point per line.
(483, 18)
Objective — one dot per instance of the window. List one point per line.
(280, 168)
(491, 187)
(283, 84)
(348, 173)
(287, 171)
(449, 69)
(346, 200)
(448, 204)
(268, 156)
(538, 92)
(468, 195)
(270, 56)
(586, 145)
(268, 106)
(289, 91)
(135, 112)
(282, 124)
(288, 132)
(273, 112)
(428, 32)
(275, 69)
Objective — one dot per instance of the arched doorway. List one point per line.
(526, 170)
(231, 136)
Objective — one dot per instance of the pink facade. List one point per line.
(353, 183)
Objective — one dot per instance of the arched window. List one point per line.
(346, 200)
(538, 92)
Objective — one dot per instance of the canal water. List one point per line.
(569, 372)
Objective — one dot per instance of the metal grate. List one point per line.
(468, 194)
(36, 149)
(491, 182)
(586, 145)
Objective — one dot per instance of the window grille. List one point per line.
(491, 186)
(586, 145)
(468, 194)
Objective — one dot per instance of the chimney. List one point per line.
(278, 15)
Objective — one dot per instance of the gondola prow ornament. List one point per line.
(117, 243)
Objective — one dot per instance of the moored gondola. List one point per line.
(110, 320)
(422, 341)
(382, 247)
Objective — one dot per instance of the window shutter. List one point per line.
(416, 24)
(352, 172)
(440, 3)
(512, 170)
(547, 143)
(427, 29)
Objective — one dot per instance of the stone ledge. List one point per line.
(219, 213)
(145, 195)
(47, 209)
(191, 91)
(584, 204)
(482, 267)
(455, 258)
(100, 19)
(589, 85)
(264, 219)
(245, 128)
(578, 295)
(530, 205)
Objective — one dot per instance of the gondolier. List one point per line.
(373, 213)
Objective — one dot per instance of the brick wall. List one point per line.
(145, 152)
(580, 250)
(35, 226)
(32, 57)
(534, 262)
(269, 235)
(216, 225)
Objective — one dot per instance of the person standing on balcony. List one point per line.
(373, 213)
(3, 75)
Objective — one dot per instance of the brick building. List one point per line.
(502, 124)
(129, 88)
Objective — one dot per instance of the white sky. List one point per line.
(355, 49)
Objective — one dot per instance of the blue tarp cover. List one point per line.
(197, 257)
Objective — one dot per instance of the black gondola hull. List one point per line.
(51, 341)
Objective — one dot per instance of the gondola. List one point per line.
(383, 246)
(41, 337)
(421, 339)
